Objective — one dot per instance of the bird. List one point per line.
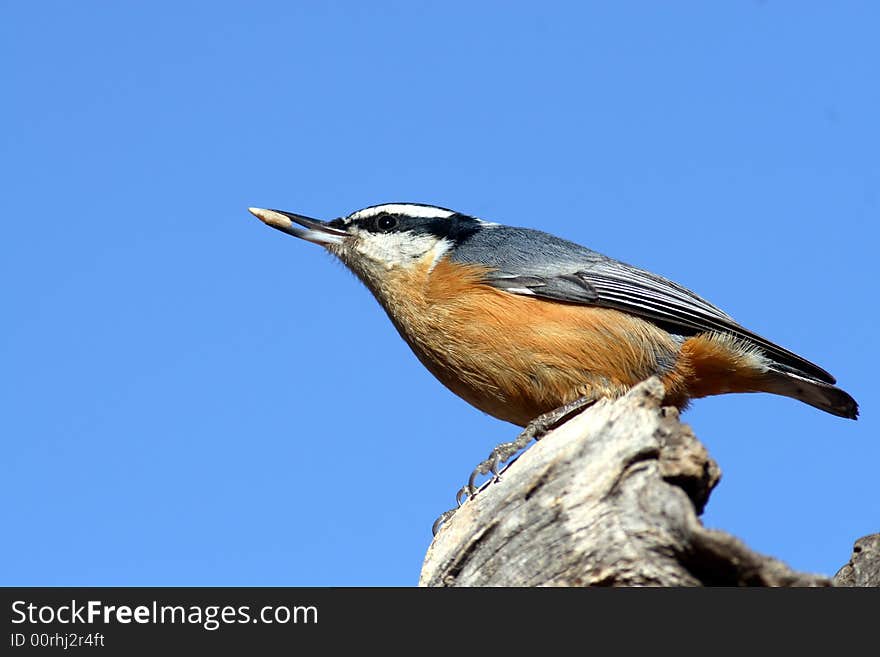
(525, 325)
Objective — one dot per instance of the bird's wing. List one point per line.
(537, 264)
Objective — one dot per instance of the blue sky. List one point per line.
(191, 398)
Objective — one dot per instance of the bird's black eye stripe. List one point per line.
(385, 222)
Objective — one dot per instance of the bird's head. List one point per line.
(382, 238)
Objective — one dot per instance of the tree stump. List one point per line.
(610, 498)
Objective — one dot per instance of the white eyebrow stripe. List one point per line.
(409, 209)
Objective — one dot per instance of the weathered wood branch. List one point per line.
(612, 497)
(863, 568)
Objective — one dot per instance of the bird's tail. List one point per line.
(825, 396)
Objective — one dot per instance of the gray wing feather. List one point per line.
(532, 262)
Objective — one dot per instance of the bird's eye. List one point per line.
(386, 222)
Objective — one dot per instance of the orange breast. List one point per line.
(514, 356)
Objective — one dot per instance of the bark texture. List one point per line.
(863, 568)
(610, 498)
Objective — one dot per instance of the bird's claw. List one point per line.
(443, 517)
(535, 430)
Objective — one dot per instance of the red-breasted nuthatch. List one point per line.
(518, 322)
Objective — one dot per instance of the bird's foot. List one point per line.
(534, 430)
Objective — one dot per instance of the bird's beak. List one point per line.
(311, 230)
